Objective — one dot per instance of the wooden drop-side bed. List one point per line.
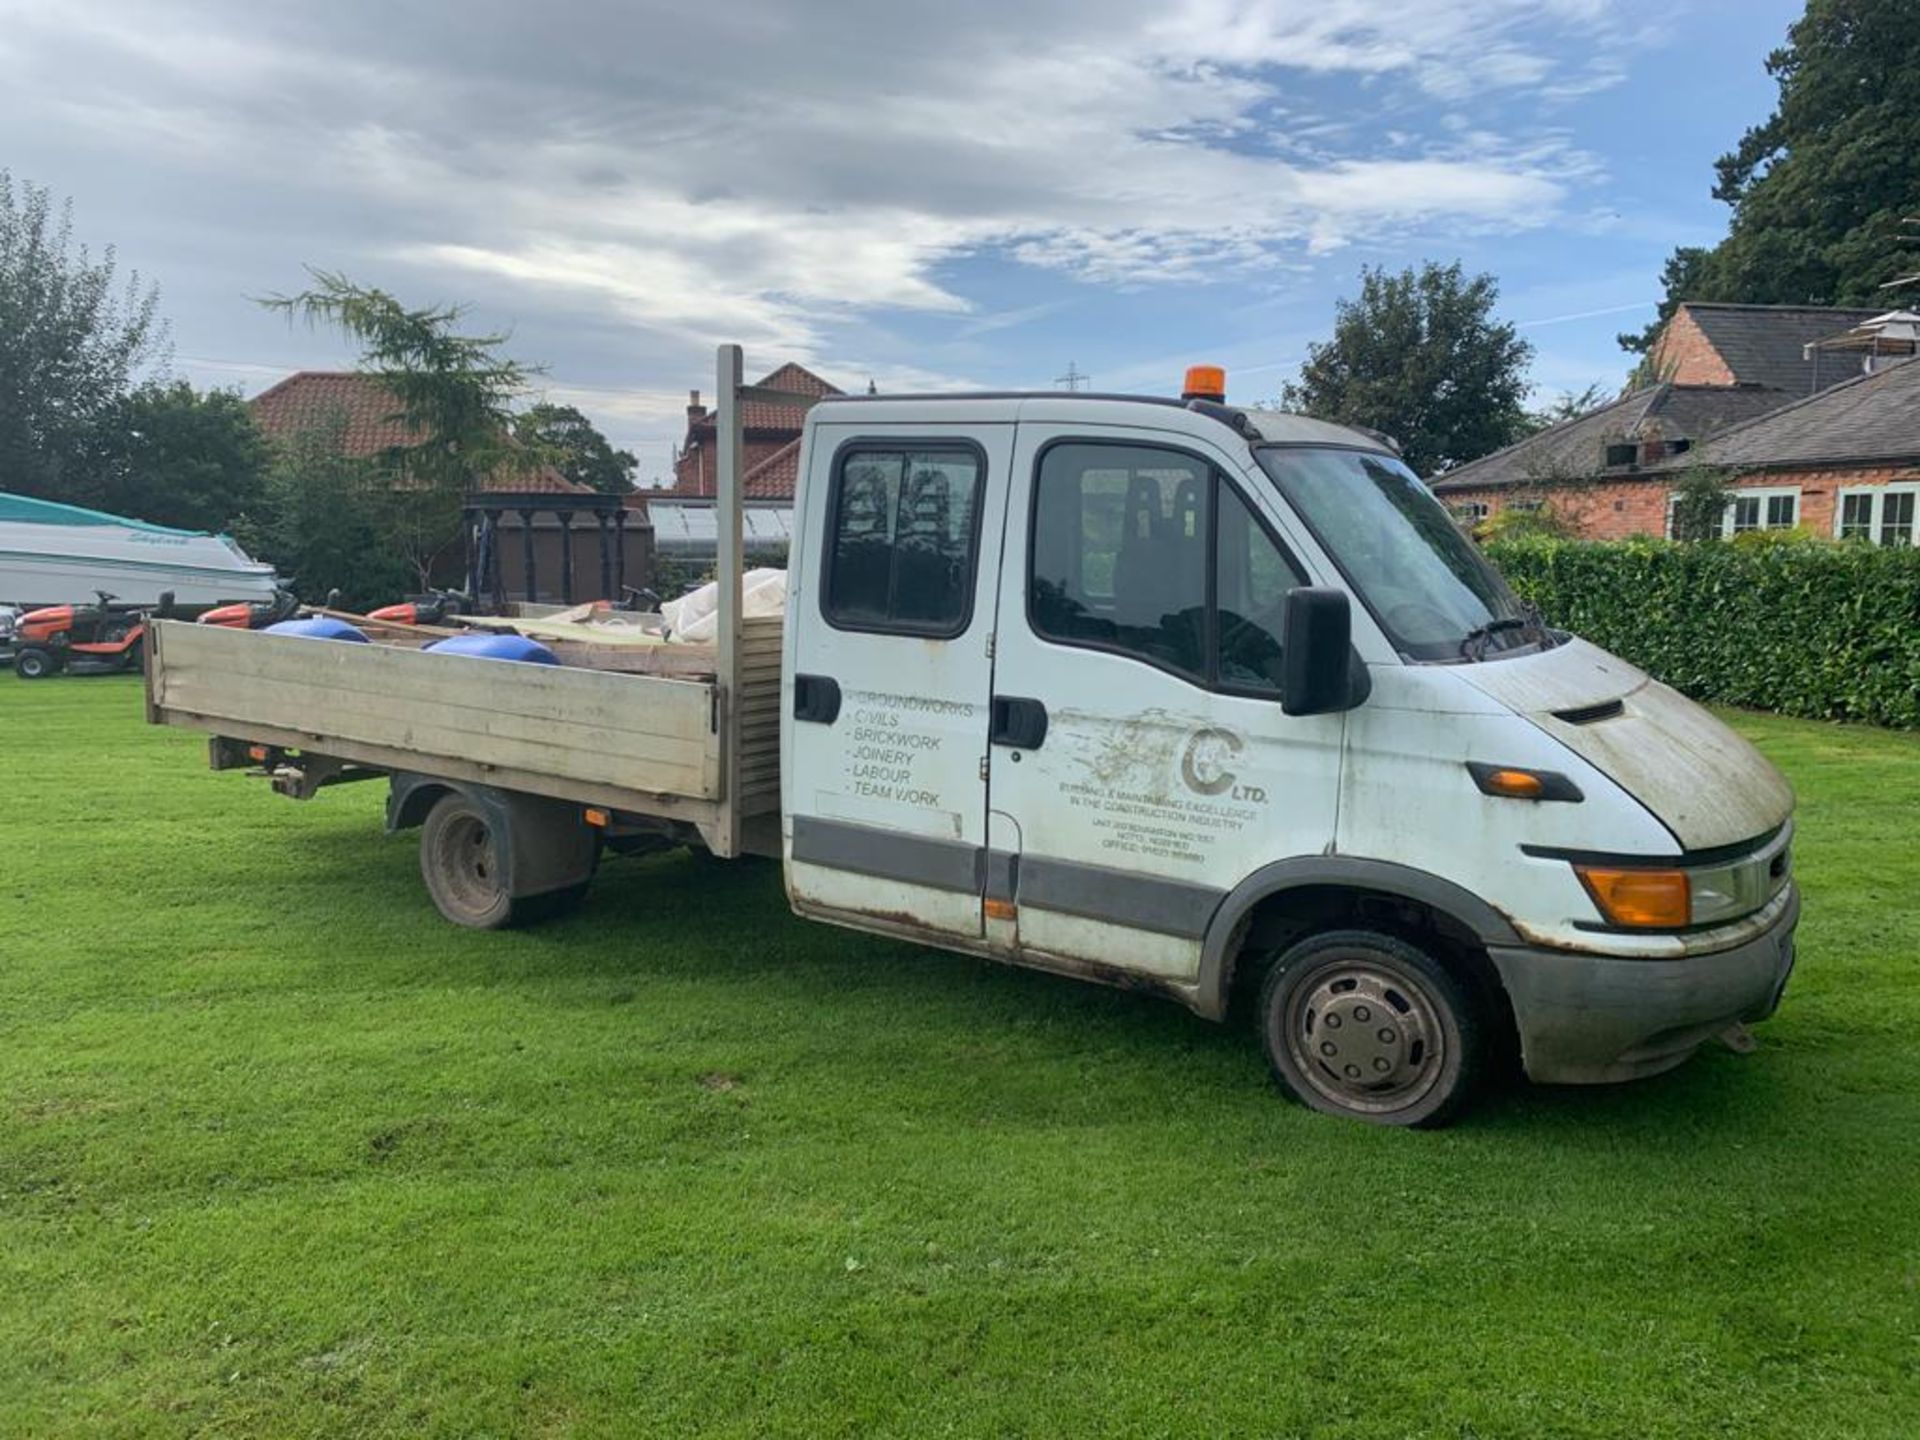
(635, 729)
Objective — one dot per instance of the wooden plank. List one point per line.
(649, 704)
(455, 729)
(634, 732)
(533, 782)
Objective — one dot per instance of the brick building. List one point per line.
(1811, 414)
(772, 440)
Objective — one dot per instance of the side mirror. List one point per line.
(1316, 661)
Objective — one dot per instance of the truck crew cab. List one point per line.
(1209, 702)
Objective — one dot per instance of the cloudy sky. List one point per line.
(928, 195)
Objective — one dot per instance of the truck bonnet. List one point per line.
(1704, 783)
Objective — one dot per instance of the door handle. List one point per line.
(1018, 722)
(816, 698)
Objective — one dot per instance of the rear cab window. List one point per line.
(902, 537)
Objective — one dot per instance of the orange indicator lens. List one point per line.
(1644, 899)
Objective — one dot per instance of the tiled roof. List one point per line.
(799, 380)
(776, 477)
(762, 416)
(1870, 418)
(1764, 344)
(1575, 449)
(308, 399)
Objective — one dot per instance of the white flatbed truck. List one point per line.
(1155, 692)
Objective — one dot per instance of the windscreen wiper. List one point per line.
(1473, 644)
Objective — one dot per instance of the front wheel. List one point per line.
(34, 663)
(1363, 1024)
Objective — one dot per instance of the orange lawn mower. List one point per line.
(102, 638)
(254, 614)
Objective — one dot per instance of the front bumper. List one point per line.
(1587, 1019)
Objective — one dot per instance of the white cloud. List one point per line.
(767, 172)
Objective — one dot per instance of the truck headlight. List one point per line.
(1649, 898)
(1640, 899)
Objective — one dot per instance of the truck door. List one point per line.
(890, 619)
(1141, 764)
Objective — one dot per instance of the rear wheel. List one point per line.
(34, 663)
(1366, 1025)
(463, 859)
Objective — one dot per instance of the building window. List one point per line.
(1151, 554)
(1777, 509)
(902, 528)
(1623, 453)
(1883, 515)
(1761, 510)
(1470, 512)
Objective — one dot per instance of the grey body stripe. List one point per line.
(890, 855)
(1115, 897)
(1003, 874)
(1118, 897)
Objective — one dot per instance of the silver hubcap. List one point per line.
(1366, 1037)
(467, 862)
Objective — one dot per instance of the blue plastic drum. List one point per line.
(496, 647)
(317, 627)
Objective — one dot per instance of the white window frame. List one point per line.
(1762, 494)
(1470, 512)
(1877, 508)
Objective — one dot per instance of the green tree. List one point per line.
(454, 392)
(326, 520)
(1818, 190)
(1567, 405)
(183, 457)
(71, 343)
(1700, 499)
(567, 440)
(1420, 356)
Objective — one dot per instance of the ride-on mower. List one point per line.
(256, 614)
(102, 638)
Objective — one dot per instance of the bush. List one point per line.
(1801, 627)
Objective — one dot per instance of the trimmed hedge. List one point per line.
(1801, 627)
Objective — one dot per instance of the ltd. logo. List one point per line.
(1206, 765)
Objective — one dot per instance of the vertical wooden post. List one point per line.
(526, 556)
(566, 556)
(606, 559)
(619, 555)
(728, 568)
(498, 585)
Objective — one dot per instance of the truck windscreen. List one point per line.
(1408, 562)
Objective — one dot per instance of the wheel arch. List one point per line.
(410, 797)
(1270, 891)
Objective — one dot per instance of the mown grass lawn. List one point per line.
(283, 1154)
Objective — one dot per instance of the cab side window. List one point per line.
(1152, 554)
(902, 537)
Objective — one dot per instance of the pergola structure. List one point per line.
(480, 530)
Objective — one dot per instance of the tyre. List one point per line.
(462, 861)
(33, 663)
(1366, 1025)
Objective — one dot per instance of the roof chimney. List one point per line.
(696, 412)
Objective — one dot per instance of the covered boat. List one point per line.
(53, 554)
